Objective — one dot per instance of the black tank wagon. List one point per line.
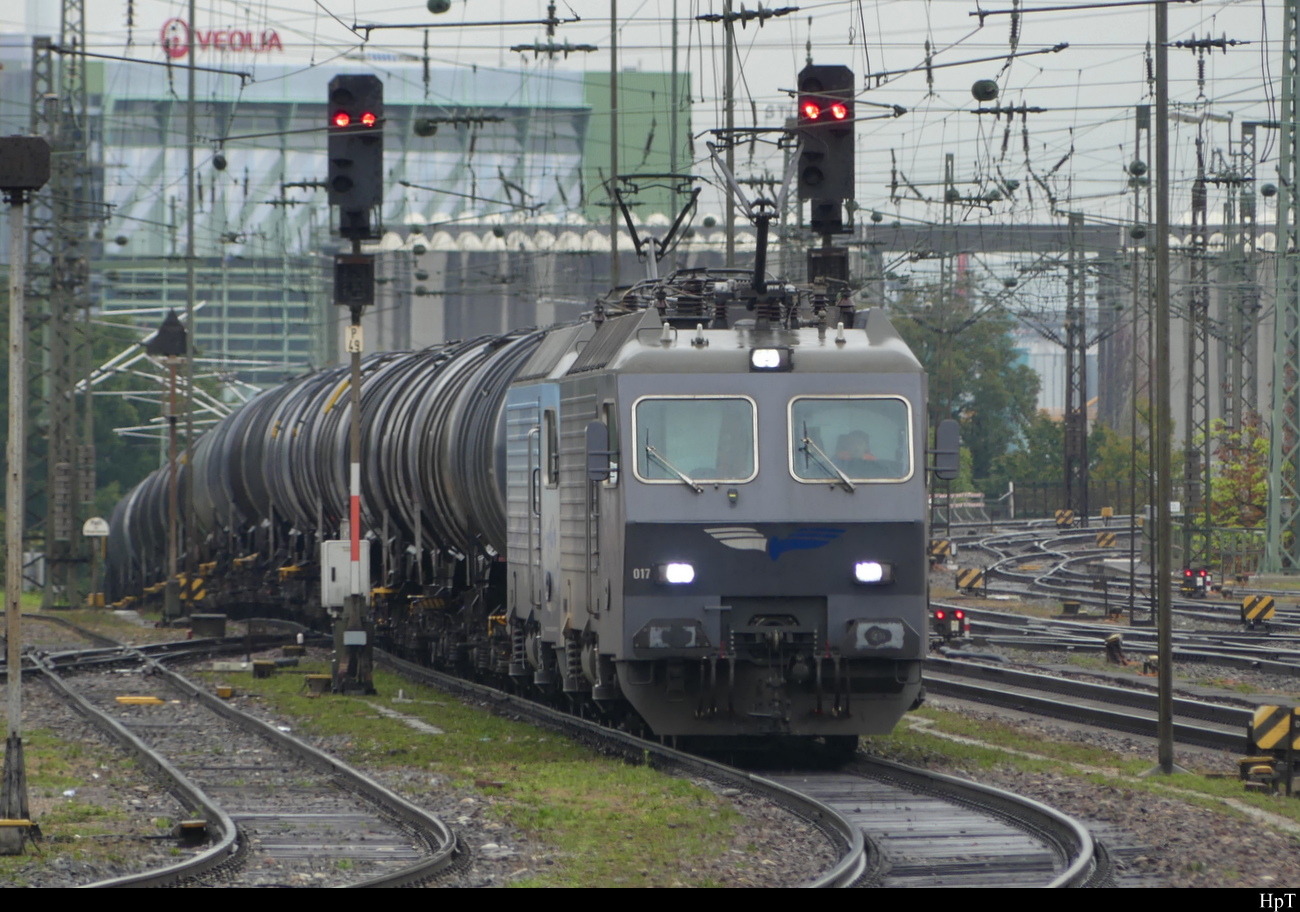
(713, 525)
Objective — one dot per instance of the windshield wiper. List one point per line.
(686, 479)
(828, 462)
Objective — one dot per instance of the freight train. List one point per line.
(699, 510)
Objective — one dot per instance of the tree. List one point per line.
(1039, 457)
(975, 378)
(1239, 474)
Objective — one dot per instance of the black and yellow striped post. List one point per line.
(192, 590)
(939, 550)
(971, 578)
(1064, 519)
(1105, 539)
(1255, 609)
(1274, 729)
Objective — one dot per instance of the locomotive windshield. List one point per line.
(859, 438)
(683, 440)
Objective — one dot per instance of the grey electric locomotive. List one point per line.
(724, 527)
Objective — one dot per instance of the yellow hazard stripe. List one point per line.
(1271, 725)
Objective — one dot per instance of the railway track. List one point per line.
(1127, 709)
(896, 826)
(1245, 650)
(266, 797)
(272, 810)
(926, 829)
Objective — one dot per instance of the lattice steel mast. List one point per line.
(58, 249)
(1196, 415)
(1076, 376)
(1284, 460)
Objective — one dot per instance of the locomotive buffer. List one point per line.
(356, 185)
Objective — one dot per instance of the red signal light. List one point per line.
(939, 615)
(341, 119)
(1187, 572)
(811, 110)
(1205, 572)
(839, 110)
(368, 119)
(959, 614)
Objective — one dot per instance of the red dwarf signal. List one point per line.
(342, 119)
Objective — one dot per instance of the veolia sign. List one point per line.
(177, 38)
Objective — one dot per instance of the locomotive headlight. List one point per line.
(676, 573)
(872, 573)
(769, 359)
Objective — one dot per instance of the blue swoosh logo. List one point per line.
(803, 540)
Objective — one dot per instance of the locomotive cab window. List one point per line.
(867, 438)
(690, 439)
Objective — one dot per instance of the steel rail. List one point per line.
(227, 847)
(1081, 856)
(1216, 726)
(444, 849)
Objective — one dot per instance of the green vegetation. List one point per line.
(975, 374)
(599, 820)
(69, 825)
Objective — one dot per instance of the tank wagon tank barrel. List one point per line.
(430, 427)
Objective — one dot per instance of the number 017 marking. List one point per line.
(640, 573)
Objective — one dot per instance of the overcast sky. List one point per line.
(1089, 89)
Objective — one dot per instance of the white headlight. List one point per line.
(765, 359)
(676, 573)
(873, 572)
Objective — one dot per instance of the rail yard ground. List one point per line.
(539, 810)
(1196, 829)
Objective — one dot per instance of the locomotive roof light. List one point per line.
(769, 359)
(676, 573)
(873, 573)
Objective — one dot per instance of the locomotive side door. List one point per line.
(547, 503)
(523, 504)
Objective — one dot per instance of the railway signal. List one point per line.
(356, 186)
(826, 119)
(356, 152)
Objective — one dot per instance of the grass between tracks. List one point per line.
(596, 821)
(76, 828)
(936, 738)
